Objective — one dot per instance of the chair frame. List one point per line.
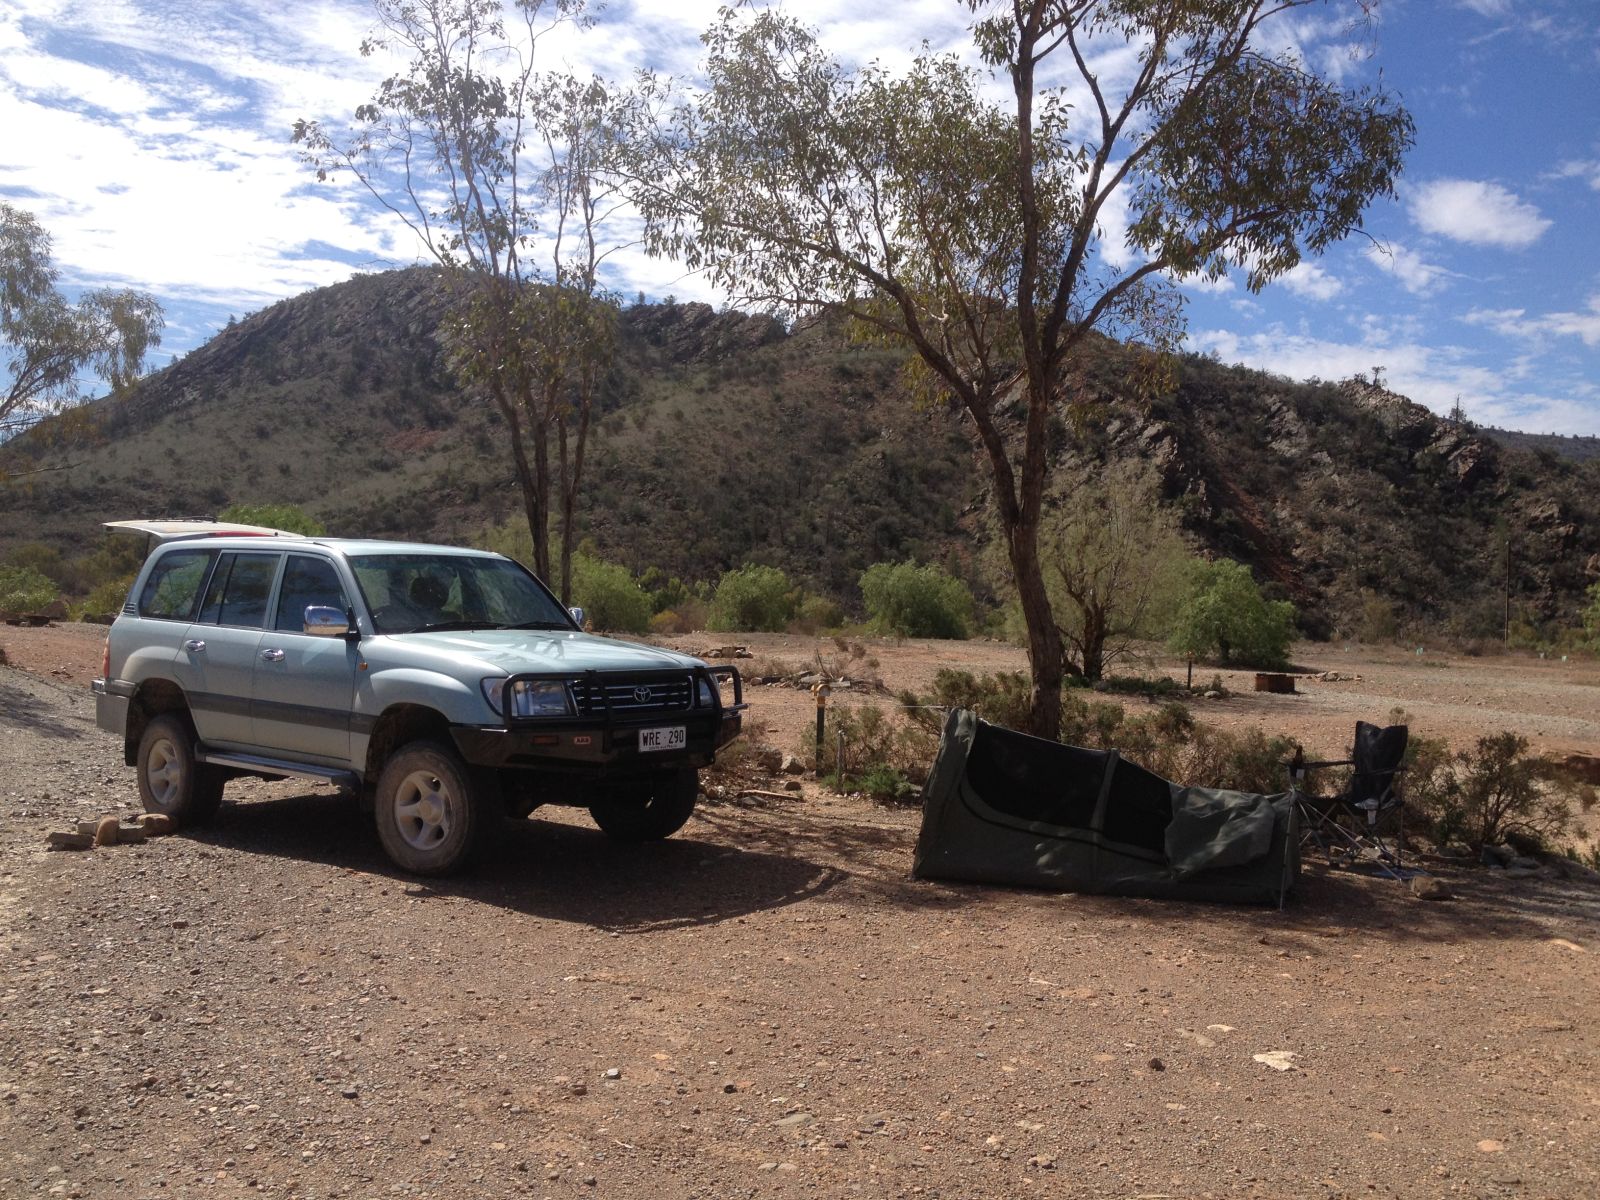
(1321, 825)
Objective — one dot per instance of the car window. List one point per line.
(239, 589)
(307, 581)
(409, 592)
(174, 585)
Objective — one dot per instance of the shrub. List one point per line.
(686, 618)
(287, 517)
(1224, 614)
(1494, 792)
(108, 597)
(611, 598)
(25, 590)
(1591, 617)
(753, 598)
(881, 755)
(916, 601)
(815, 614)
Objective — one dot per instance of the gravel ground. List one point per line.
(766, 1005)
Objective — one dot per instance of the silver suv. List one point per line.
(444, 686)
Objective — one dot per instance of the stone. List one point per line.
(1522, 862)
(792, 765)
(1498, 856)
(105, 831)
(156, 824)
(1278, 1060)
(69, 841)
(1426, 887)
(768, 759)
(793, 785)
(1157, 1065)
(613, 1073)
(349, 1091)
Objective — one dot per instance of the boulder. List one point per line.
(1426, 887)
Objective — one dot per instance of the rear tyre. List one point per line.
(654, 808)
(429, 816)
(170, 780)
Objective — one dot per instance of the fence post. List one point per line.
(820, 691)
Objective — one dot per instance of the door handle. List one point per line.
(272, 656)
(194, 645)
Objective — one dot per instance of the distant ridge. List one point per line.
(724, 438)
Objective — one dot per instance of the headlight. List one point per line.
(706, 697)
(530, 697)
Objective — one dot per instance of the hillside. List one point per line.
(725, 438)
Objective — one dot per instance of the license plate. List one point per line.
(667, 737)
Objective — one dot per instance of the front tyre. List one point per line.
(170, 780)
(429, 818)
(651, 809)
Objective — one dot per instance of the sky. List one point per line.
(151, 138)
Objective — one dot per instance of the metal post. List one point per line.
(820, 691)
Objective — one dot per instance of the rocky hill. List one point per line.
(724, 438)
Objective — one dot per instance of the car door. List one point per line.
(304, 683)
(218, 654)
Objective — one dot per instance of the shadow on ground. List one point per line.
(734, 861)
(543, 868)
(21, 709)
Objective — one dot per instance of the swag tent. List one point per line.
(1003, 807)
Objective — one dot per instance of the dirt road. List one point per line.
(766, 1005)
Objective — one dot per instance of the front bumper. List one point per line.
(595, 748)
(606, 738)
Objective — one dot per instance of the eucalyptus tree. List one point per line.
(971, 215)
(52, 343)
(498, 168)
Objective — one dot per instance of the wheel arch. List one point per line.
(397, 725)
(151, 699)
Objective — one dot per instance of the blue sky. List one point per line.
(151, 138)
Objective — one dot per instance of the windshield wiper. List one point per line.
(537, 625)
(453, 626)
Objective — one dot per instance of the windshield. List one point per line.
(415, 593)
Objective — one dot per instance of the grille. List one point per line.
(671, 694)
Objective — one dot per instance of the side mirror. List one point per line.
(577, 615)
(325, 621)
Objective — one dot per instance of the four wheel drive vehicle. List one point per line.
(444, 686)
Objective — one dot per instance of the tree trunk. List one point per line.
(1045, 656)
(541, 500)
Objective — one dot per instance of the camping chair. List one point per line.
(1365, 822)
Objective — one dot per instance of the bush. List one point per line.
(1225, 615)
(815, 614)
(688, 617)
(916, 601)
(287, 517)
(108, 597)
(1591, 617)
(610, 597)
(753, 598)
(1492, 793)
(881, 756)
(25, 590)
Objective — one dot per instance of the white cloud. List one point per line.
(1433, 376)
(1587, 170)
(1310, 282)
(1410, 269)
(1515, 322)
(1475, 211)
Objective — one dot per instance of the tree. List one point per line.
(753, 598)
(288, 517)
(973, 232)
(498, 168)
(1113, 561)
(25, 590)
(916, 601)
(610, 597)
(50, 342)
(1225, 615)
(1591, 616)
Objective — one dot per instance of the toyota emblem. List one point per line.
(642, 694)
